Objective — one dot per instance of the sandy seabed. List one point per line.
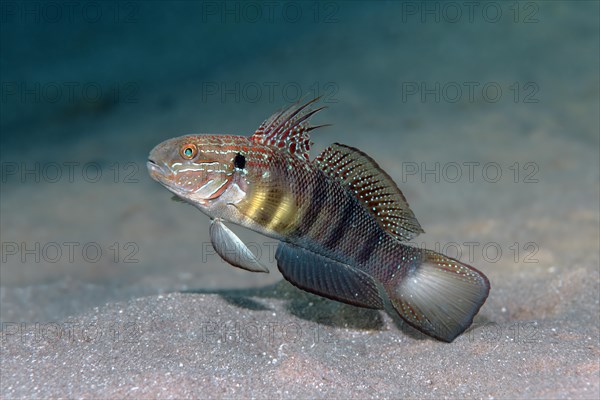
(157, 314)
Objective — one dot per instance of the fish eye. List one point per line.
(188, 151)
(239, 161)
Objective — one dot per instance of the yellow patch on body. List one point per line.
(272, 208)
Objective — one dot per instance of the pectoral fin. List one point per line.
(326, 277)
(232, 249)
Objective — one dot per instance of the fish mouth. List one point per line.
(155, 170)
(162, 174)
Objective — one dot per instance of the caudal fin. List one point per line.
(440, 297)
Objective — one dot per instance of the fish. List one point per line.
(343, 225)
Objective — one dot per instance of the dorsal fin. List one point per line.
(289, 130)
(375, 190)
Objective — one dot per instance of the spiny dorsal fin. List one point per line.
(375, 190)
(289, 130)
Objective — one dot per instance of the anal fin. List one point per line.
(232, 249)
(326, 277)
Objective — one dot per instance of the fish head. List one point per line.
(201, 169)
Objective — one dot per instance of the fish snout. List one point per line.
(156, 170)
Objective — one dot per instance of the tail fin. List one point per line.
(440, 297)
